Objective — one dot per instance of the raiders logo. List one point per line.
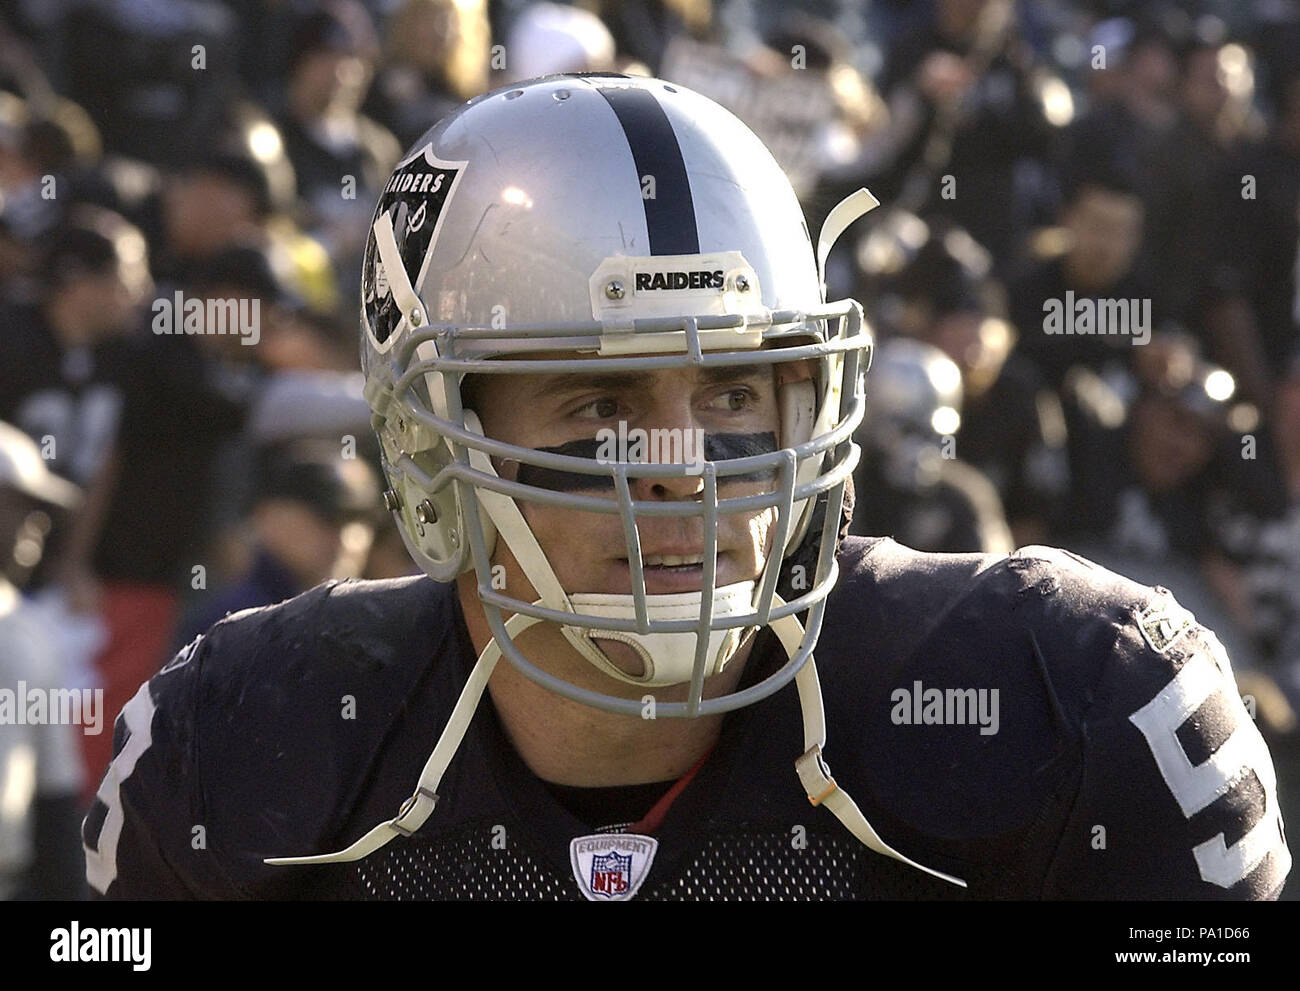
(415, 199)
(650, 281)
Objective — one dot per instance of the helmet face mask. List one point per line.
(748, 298)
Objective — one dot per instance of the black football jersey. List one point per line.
(1032, 724)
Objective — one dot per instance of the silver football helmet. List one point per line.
(914, 404)
(642, 226)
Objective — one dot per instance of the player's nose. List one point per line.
(675, 439)
(675, 489)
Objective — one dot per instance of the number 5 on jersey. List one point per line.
(1196, 786)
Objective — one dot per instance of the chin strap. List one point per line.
(844, 212)
(813, 772)
(416, 809)
(669, 658)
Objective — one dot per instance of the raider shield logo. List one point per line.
(415, 200)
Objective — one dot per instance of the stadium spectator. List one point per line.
(436, 58)
(59, 380)
(340, 156)
(1131, 78)
(1252, 292)
(1096, 261)
(1199, 165)
(939, 289)
(1163, 465)
(968, 101)
(305, 497)
(156, 78)
(40, 767)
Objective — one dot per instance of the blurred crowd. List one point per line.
(1039, 164)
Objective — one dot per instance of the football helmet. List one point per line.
(643, 226)
(914, 403)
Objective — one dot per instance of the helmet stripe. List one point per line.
(670, 211)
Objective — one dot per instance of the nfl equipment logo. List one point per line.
(611, 874)
(609, 867)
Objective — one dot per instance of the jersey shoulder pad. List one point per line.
(256, 738)
(1178, 797)
(1178, 793)
(1080, 728)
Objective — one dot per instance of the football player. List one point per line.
(616, 416)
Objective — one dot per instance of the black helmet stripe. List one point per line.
(670, 212)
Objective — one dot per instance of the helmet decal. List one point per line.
(660, 170)
(415, 199)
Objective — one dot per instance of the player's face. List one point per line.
(588, 551)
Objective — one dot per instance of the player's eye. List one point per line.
(598, 409)
(735, 400)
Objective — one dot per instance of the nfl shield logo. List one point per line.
(609, 867)
(611, 874)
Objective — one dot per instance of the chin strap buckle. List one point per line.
(415, 810)
(815, 776)
(821, 788)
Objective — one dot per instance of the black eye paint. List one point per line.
(717, 447)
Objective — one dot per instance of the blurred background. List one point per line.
(1030, 156)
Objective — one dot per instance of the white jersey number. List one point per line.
(1195, 786)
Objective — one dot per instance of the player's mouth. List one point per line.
(673, 561)
(668, 573)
